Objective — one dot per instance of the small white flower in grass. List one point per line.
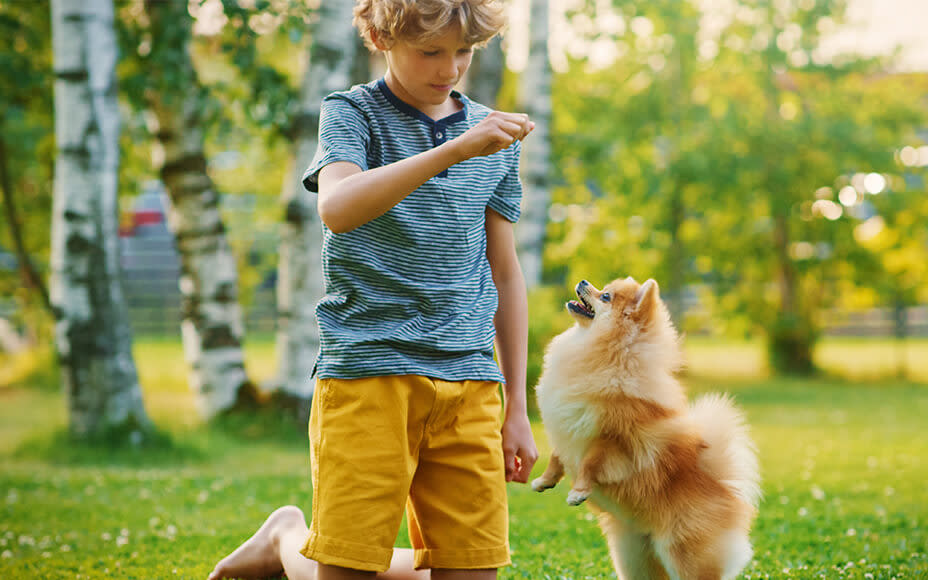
(65, 548)
(873, 462)
(889, 491)
(26, 541)
(803, 512)
(851, 532)
(144, 493)
(818, 493)
(12, 496)
(784, 500)
(154, 521)
(7, 554)
(106, 536)
(868, 576)
(122, 540)
(203, 496)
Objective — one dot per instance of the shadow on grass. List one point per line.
(267, 424)
(157, 448)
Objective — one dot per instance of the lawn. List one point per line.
(844, 459)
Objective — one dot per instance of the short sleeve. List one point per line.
(344, 135)
(507, 199)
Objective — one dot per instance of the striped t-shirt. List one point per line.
(411, 291)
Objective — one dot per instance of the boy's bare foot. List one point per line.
(258, 556)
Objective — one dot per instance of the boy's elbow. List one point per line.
(331, 217)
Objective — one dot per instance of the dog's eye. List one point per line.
(606, 297)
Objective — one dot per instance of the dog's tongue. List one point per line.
(578, 306)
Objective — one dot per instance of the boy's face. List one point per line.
(424, 74)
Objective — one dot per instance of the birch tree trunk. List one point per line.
(536, 149)
(485, 75)
(331, 66)
(92, 336)
(211, 317)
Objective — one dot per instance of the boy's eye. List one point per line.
(606, 297)
(430, 52)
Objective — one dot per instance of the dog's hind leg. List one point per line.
(632, 551)
(719, 558)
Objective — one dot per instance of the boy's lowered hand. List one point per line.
(495, 132)
(519, 451)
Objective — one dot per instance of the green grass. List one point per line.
(844, 465)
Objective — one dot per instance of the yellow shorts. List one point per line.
(379, 443)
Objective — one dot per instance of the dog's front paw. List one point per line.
(577, 496)
(540, 484)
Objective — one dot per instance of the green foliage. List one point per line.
(707, 167)
(27, 132)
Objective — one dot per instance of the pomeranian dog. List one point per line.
(675, 486)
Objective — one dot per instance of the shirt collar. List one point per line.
(415, 113)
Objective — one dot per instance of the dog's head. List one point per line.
(623, 302)
(624, 313)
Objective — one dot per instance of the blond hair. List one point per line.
(419, 21)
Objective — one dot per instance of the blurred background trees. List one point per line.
(771, 186)
(734, 168)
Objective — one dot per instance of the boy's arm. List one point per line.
(511, 323)
(350, 197)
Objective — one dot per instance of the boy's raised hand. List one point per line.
(495, 132)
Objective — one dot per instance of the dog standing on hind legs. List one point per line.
(675, 486)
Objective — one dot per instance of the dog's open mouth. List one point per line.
(581, 307)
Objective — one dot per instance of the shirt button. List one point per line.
(438, 135)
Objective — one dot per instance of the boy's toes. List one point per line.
(575, 497)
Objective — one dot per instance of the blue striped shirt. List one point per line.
(411, 292)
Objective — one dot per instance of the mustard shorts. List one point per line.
(435, 446)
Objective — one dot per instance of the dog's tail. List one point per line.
(731, 455)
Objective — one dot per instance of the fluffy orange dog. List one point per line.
(675, 486)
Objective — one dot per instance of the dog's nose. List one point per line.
(582, 284)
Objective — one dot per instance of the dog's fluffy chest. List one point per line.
(571, 425)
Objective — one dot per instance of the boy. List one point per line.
(418, 188)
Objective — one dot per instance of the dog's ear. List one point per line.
(646, 298)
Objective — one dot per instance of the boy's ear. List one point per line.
(377, 41)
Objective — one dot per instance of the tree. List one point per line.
(211, 327)
(750, 133)
(93, 339)
(535, 94)
(331, 61)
